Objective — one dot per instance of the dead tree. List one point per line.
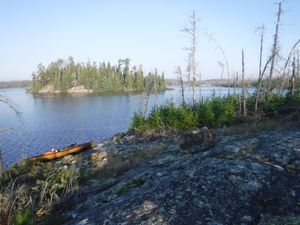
(219, 47)
(149, 84)
(289, 56)
(178, 71)
(243, 84)
(293, 75)
(222, 72)
(191, 31)
(262, 28)
(275, 45)
(287, 62)
(235, 76)
(262, 75)
(298, 65)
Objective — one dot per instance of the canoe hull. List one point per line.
(65, 151)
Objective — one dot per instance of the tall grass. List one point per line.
(211, 113)
(215, 112)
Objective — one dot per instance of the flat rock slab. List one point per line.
(251, 179)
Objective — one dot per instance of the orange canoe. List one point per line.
(74, 149)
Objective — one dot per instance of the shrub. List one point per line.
(273, 103)
(177, 117)
(217, 112)
(139, 122)
(164, 117)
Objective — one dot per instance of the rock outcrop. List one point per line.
(79, 90)
(239, 179)
(49, 89)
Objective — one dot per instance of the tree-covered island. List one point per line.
(67, 76)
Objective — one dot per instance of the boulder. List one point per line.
(201, 138)
(79, 90)
(48, 89)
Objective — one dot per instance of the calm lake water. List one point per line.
(58, 121)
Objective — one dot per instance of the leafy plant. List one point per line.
(23, 218)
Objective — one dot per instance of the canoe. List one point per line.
(70, 150)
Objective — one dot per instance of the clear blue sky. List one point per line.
(147, 32)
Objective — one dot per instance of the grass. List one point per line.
(218, 112)
(29, 190)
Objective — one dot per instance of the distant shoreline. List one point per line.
(169, 82)
(15, 84)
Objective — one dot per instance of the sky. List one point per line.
(147, 32)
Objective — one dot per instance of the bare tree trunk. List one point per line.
(240, 104)
(260, 71)
(234, 80)
(194, 55)
(243, 83)
(191, 31)
(275, 45)
(298, 65)
(293, 75)
(222, 68)
(147, 93)
(286, 65)
(219, 47)
(178, 71)
(261, 49)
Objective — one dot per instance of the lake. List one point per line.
(58, 121)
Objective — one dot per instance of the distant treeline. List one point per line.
(213, 82)
(103, 77)
(15, 84)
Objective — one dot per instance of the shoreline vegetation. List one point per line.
(67, 76)
(214, 133)
(15, 84)
(224, 160)
(33, 192)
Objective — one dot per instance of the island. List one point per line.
(67, 76)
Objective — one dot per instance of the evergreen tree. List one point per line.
(64, 74)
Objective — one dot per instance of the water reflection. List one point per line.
(58, 120)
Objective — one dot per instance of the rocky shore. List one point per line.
(215, 177)
(49, 89)
(234, 179)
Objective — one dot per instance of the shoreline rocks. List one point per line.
(225, 184)
(49, 89)
(216, 179)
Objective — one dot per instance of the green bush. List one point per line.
(177, 117)
(217, 112)
(273, 103)
(138, 121)
(212, 113)
(154, 120)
